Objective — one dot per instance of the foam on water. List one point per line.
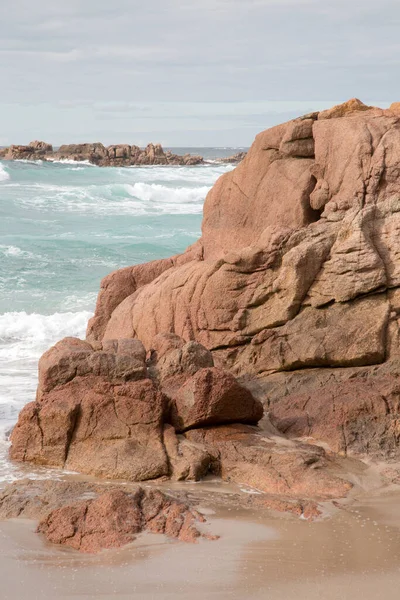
(23, 339)
(14, 251)
(4, 175)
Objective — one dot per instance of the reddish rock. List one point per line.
(172, 360)
(358, 416)
(213, 397)
(188, 461)
(235, 158)
(115, 518)
(272, 465)
(92, 426)
(117, 155)
(297, 271)
(117, 286)
(116, 361)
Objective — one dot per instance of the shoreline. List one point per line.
(353, 554)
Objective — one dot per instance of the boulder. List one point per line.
(92, 426)
(116, 361)
(213, 397)
(115, 518)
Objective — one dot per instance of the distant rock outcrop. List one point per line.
(235, 158)
(97, 154)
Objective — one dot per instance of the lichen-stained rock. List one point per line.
(243, 455)
(213, 397)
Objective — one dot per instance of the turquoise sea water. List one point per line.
(63, 226)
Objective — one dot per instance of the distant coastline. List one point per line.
(107, 156)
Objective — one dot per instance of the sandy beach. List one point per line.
(354, 554)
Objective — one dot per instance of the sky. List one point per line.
(187, 72)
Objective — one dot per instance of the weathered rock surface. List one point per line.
(355, 411)
(115, 518)
(300, 261)
(116, 155)
(110, 413)
(213, 397)
(247, 456)
(90, 517)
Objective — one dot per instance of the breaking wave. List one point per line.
(4, 175)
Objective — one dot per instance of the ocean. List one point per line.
(64, 226)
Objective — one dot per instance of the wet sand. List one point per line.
(354, 555)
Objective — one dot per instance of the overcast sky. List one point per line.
(187, 72)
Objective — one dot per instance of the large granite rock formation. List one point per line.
(292, 288)
(111, 156)
(298, 265)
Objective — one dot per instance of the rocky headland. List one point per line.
(267, 354)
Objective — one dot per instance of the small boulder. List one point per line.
(212, 397)
(173, 361)
(115, 518)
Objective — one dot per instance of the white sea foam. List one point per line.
(116, 198)
(159, 193)
(69, 161)
(4, 175)
(29, 162)
(23, 338)
(14, 251)
(34, 329)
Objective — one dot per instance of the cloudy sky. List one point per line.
(187, 72)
